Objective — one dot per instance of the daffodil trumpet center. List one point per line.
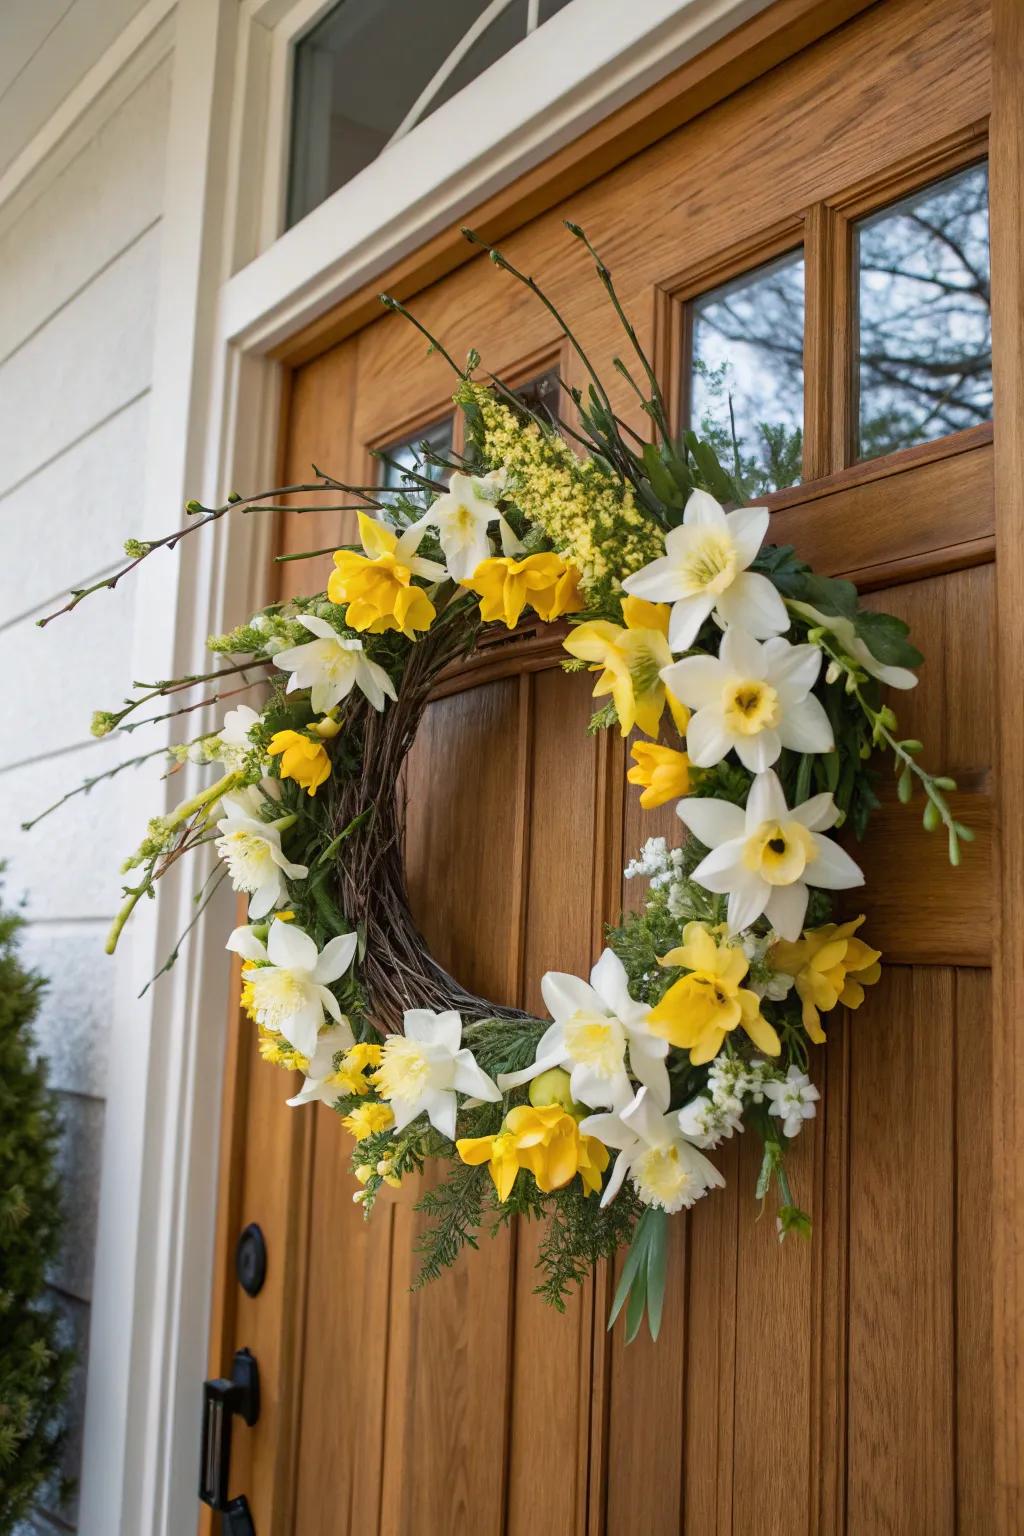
(779, 851)
(750, 706)
(710, 565)
(405, 1071)
(595, 1042)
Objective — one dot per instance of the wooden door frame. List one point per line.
(250, 360)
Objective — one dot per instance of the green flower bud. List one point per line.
(103, 722)
(552, 1087)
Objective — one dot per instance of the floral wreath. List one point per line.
(698, 1015)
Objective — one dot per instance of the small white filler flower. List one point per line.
(793, 1100)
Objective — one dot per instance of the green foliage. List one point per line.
(34, 1367)
(579, 1234)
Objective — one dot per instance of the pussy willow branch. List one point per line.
(90, 783)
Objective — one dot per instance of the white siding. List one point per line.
(81, 271)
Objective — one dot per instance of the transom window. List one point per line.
(371, 69)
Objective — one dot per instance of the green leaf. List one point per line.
(637, 1305)
(829, 596)
(636, 1259)
(661, 481)
(715, 479)
(793, 1219)
(886, 638)
(657, 1268)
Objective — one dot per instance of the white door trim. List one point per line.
(229, 292)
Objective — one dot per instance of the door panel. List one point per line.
(841, 1385)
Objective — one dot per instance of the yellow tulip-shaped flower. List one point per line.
(377, 586)
(545, 1140)
(699, 1010)
(303, 760)
(505, 586)
(629, 658)
(829, 966)
(664, 771)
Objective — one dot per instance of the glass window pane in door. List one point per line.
(745, 374)
(925, 328)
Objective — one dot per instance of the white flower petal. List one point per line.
(832, 869)
(291, 948)
(708, 739)
(765, 802)
(686, 618)
(791, 669)
(441, 1109)
(817, 813)
(565, 995)
(336, 957)
(618, 1174)
(647, 1063)
(748, 898)
(329, 1003)
(787, 908)
(747, 527)
(644, 1118)
(471, 1078)
(302, 1028)
(758, 753)
(702, 511)
(697, 680)
(244, 942)
(659, 581)
(609, 980)
(267, 897)
(711, 821)
(722, 868)
(754, 603)
(741, 655)
(805, 727)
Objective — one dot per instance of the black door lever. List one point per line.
(222, 1399)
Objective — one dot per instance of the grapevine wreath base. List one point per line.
(752, 689)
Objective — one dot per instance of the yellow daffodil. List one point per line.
(700, 1009)
(367, 1119)
(505, 586)
(377, 586)
(546, 1141)
(630, 658)
(664, 771)
(303, 760)
(829, 966)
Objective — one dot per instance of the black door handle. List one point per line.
(222, 1399)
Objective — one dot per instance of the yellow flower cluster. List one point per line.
(350, 1076)
(274, 1047)
(587, 514)
(367, 1119)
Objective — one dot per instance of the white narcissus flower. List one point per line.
(318, 1084)
(423, 1069)
(854, 647)
(751, 699)
(704, 570)
(290, 992)
(252, 851)
(793, 1100)
(766, 856)
(331, 666)
(594, 1027)
(666, 1168)
(234, 734)
(462, 516)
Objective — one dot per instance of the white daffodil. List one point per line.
(252, 851)
(751, 699)
(766, 856)
(424, 1068)
(594, 1027)
(319, 1083)
(290, 994)
(666, 1168)
(234, 738)
(462, 516)
(855, 647)
(704, 570)
(331, 666)
(793, 1100)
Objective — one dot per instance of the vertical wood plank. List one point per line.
(901, 1365)
(1007, 216)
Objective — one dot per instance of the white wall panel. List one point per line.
(73, 1027)
(90, 360)
(101, 201)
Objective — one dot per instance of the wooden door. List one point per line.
(842, 1385)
